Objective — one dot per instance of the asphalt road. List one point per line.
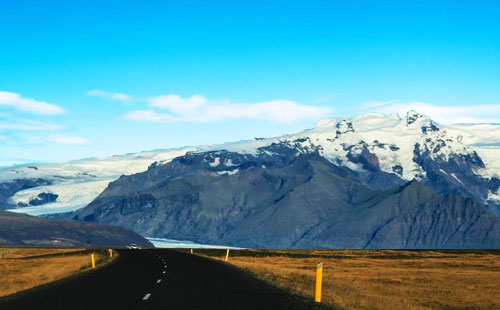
(159, 279)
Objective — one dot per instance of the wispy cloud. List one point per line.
(197, 108)
(109, 95)
(59, 139)
(29, 125)
(485, 113)
(28, 105)
(2, 138)
(149, 116)
(69, 140)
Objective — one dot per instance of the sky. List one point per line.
(83, 79)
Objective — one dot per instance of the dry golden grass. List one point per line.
(26, 268)
(384, 280)
(29, 252)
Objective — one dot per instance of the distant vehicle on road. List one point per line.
(133, 246)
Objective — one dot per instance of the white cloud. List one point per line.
(69, 140)
(199, 109)
(59, 139)
(149, 116)
(28, 105)
(29, 125)
(485, 113)
(2, 138)
(178, 105)
(108, 95)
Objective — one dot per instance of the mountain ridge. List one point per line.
(370, 142)
(285, 197)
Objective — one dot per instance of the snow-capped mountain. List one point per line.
(381, 151)
(287, 194)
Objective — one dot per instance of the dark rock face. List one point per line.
(412, 217)
(371, 176)
(455, 174)
(368, 160)
(24, 230)
(7, 189)
(288, 196)
(43, 198)
(397, 169)
(342, 128)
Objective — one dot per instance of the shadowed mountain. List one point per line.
(24, 230)
(287, 196)
(411, 217)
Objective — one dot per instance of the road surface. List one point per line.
(159, 279)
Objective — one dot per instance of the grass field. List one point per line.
(382, 279)
(22, 269)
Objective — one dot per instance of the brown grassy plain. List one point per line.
(383, 279)
(22, 269)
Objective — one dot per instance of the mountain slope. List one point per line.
(413, 217)
(383, 150)
(190, 198)
(288, 195)
(25, 230)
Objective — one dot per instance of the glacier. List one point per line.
(391, 138)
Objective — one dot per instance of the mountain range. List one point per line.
(372, 181)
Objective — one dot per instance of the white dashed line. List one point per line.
(146, 297)
(159, 280)
(164, 272)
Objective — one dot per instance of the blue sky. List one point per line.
(98, 78)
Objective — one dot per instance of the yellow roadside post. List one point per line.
(110, 253)
(227, 254)
(319, 282)
(191, 251)
(92, 258)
